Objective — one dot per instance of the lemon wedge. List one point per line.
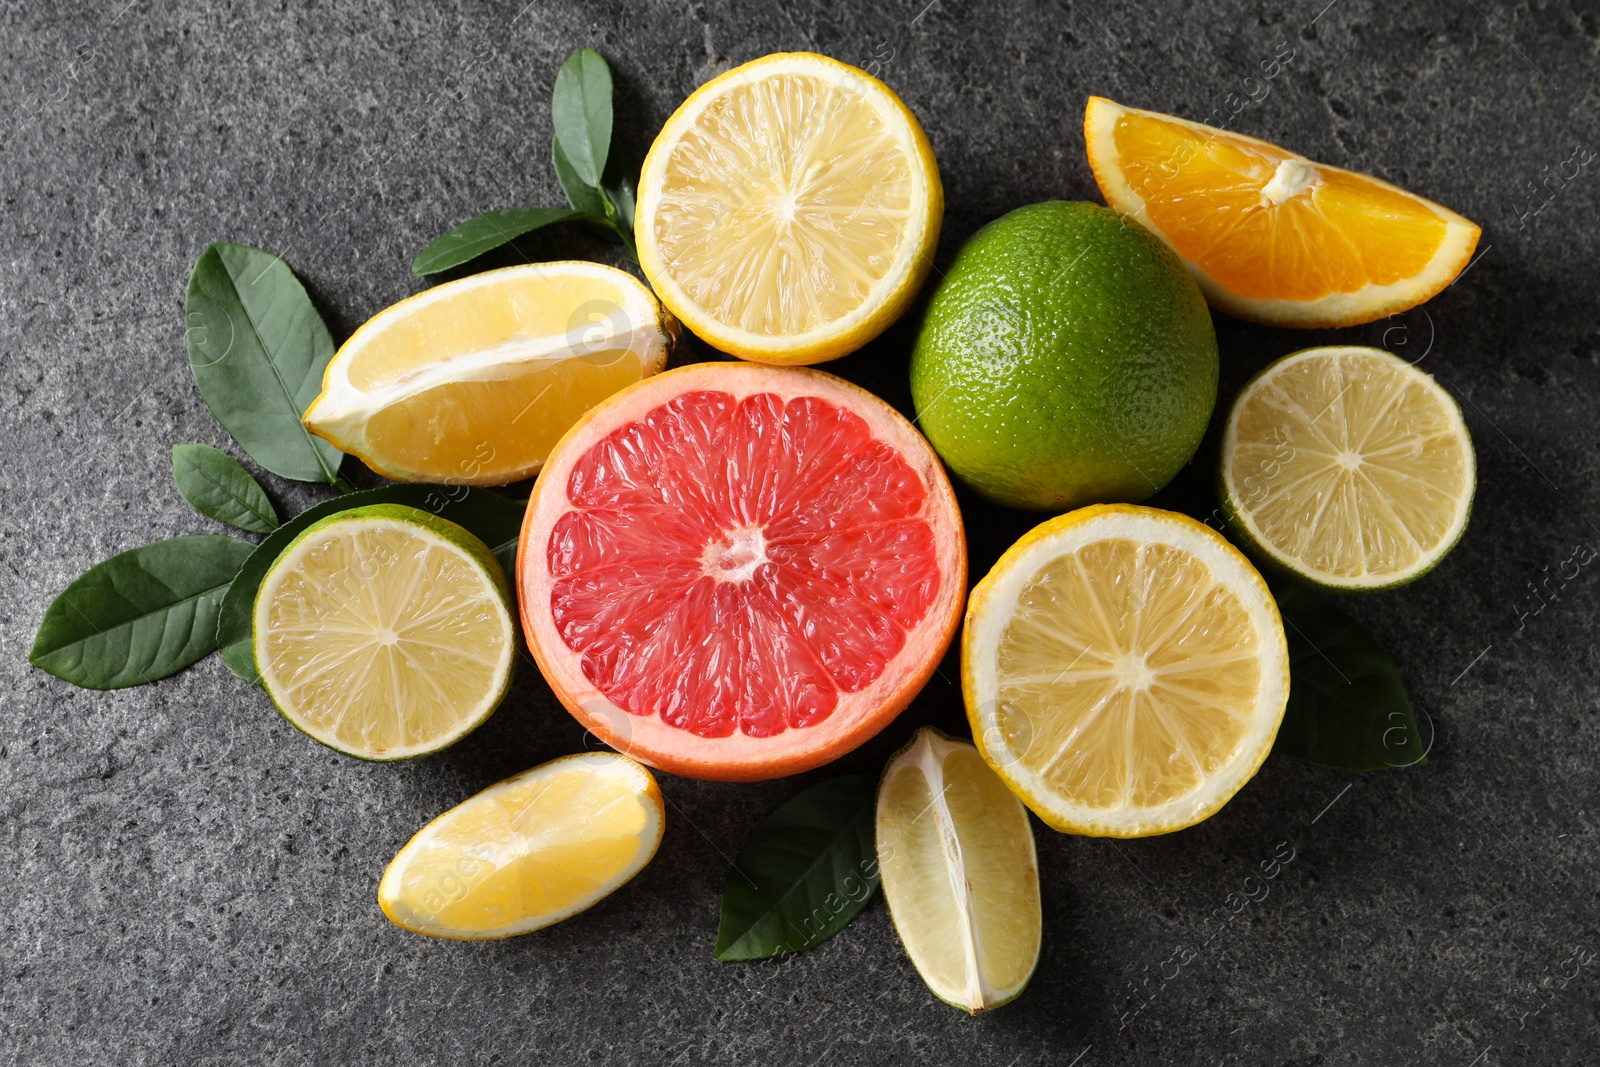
(1125, 670)
(533, 850)
(956, 857)
(473, 382)
(789, 209)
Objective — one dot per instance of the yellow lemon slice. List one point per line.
(956, 857)
(473, 382)
(1348, 467)
(533, 850)
(385, 632)
(789, 209)
(1124, 669)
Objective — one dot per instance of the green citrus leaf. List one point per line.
(488, 231)
(140, 615)
(583, 197)
(492, 518)
(804, 873)
(580, 110)
(218, 487)
(258, 348)
(1348, 706)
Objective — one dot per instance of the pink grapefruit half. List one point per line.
(735, 572)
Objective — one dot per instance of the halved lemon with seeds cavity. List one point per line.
(1124, 669)
(473, 381)
(385, 632)
(1348, 467)
(1271, 236)
(956, 855)
(526, 853)
(789, 209)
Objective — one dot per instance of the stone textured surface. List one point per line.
(187, 880)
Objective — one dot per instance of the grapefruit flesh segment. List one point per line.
(743, 577)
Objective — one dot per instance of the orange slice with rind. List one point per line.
(1271, 236)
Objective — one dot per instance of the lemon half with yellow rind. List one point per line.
(1125, 670)
(789, 209)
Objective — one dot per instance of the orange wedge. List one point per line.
(1271, 236)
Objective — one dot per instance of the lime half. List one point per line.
(385, 632)
(955, 852)
(1348, 467)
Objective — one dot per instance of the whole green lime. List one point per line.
(1066, 359)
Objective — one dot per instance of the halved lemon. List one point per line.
(526, 853)
(789, 209)
(1348, 467)
(473, 381)
(956, 857)
(1125, 670)
(1269, 235)
(385, 632)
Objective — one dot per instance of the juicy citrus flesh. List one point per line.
(738, 565)
(788, 209)
(1272, 235)
(1125, 670)
(738, 572)
(956, 856)
(379, 637)
(1349, 467)
(474, 381)
(528, 852)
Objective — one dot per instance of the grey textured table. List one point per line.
(188, 880)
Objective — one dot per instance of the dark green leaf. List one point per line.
(582, 196)
(580, 110)
(218, 487)
(804, 873)
(140, 615)
(258, 349)
(488, 231)
(620, 182)
(492, 518)
(1348, 706)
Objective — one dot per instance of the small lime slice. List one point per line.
(955, 853)
(385, 632)
(1348, 467)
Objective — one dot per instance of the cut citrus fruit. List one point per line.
(385, 632)
(526, 853)
(471, 382)
(738, 572)
(1125, 670)
(1348, 467)
(789, 209)
(1269, 235)
(956, 856)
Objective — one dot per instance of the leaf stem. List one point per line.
(341, 485)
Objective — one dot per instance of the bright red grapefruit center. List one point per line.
(733, 565)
